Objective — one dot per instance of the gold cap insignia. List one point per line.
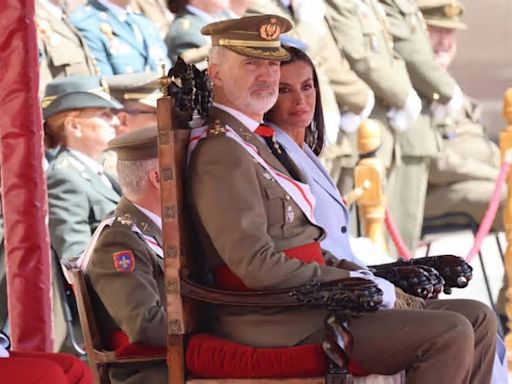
(271, 30)
(452, 10)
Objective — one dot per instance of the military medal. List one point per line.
(290, 215)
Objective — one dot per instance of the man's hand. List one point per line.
(401, 119)
(388, 289)
(441, 112)
(406, 301)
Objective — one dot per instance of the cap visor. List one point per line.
(277, 54)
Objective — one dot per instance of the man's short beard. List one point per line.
(257, 103)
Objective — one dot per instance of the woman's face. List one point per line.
(295, 106)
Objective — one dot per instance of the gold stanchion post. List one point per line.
(368, 179)
(506, 147)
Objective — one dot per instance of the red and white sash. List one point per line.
(299, 192)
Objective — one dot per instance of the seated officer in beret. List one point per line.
(124, 261)
(79, 120)
(120, 40)
(257, 229)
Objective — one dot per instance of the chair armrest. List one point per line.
(455, 272)
(353, 295)
(418, 281)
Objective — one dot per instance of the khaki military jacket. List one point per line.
(245, 220)
(468, 154)
(132, 300)
(351, 93)
(64, 51)
(411, 42)
(130, 296)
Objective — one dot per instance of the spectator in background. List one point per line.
(138, 93)
(184, 37)
(121, 41)
(63, 51)
(79, 120)
(157, 12)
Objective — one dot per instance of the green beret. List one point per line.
(139, 144)
(76, 92)
(252, 36)
(442, 13)
(140, 87)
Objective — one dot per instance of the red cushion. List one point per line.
(28, 370)
(118, 341)
(209, 356)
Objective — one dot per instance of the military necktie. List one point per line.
(268, 134)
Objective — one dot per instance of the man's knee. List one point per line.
(457, 333)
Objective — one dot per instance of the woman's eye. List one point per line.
(283, 90)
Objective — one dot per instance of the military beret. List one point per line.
(252, 36)
(139, 144)
(76, 92)
(140, 87)
(442, 13)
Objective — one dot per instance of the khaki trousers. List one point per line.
(450, 341)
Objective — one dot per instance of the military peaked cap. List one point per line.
(442, 13)
(140, 87)
(252, 36)
(139, 144)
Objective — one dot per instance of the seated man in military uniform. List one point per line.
(254, 215)
(125, 263)
(463, 177)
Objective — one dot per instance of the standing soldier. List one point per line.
(121, 41)
(463, 177)
(361, 30)
(440, 92)
(341, 89)
(63, 51)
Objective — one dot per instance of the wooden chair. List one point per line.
(185, 295)
(100, 357)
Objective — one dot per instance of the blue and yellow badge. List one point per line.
(124, 261)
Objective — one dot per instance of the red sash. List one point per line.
(225, 279)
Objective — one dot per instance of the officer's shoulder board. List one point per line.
(216, 128)
(82, 14)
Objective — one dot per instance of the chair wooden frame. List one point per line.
(99, 357)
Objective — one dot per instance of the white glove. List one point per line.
(312, 11)
(350, 122)
(388, 289)
(401, 119)
(440, 112)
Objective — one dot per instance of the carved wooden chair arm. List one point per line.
(414, 280)
(351, 296)
(455, 272)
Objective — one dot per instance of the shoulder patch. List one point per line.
(124, 261)
(123, 221)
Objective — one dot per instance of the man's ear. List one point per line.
(124, 118)
(214, 74)
(154, 178)
(71, 125)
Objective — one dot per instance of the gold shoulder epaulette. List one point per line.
(217, 128)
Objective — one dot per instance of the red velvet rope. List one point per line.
(490, 213)
(484, 227)
(400, 246)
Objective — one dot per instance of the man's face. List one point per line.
(444, 44)
(97, 127)
(246, 84)
(135, 115)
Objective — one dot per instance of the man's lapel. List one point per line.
(250, 138)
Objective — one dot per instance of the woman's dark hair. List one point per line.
(315, 132)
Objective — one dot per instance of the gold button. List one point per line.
(287, 197)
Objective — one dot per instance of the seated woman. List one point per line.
(297, 120)
(78, 122)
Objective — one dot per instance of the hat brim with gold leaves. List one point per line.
(76, 92)
(442, 13)
(252, 36)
